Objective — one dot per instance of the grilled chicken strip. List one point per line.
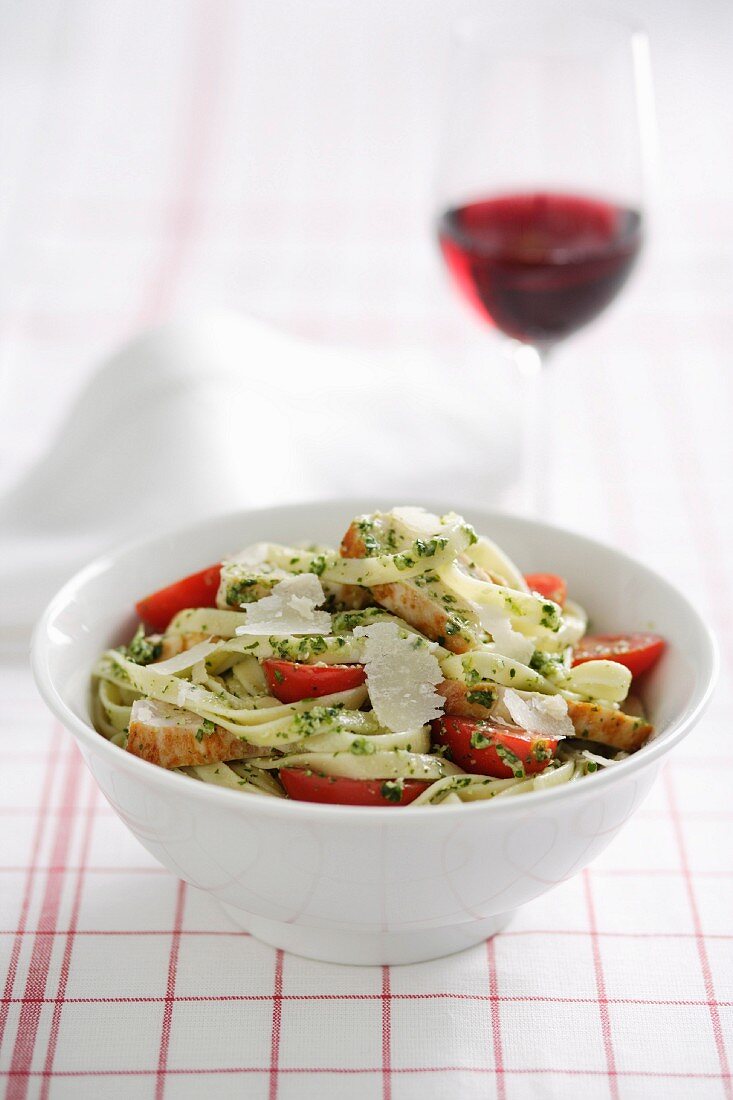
(174, 738)
(423, 602)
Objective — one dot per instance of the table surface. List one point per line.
(276, 159)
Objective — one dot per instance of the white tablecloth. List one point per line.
(276, 159)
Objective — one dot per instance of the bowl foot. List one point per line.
(367, 948)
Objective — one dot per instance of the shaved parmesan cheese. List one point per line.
(186, 694)
(508, 641)
(417, 520)
(152, 713)
(544, 715)
(290, 609)
(301, 605)
(198, 673)
(402, 673)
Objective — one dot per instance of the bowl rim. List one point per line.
(85, 733)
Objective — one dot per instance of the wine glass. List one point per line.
(541, 173)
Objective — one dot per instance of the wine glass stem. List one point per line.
(535, 455)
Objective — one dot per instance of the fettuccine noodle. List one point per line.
(416, 665)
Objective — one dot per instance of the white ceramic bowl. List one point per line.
(370, 885)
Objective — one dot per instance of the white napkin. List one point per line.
(222, 412)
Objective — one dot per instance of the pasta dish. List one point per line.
(415, 665)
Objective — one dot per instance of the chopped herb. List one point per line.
(372, 546)
(479, 740)
(472, 536)
(427, 548)
(317, 720)
(392, 789)
(312, 645)
(205, 728)
(362, 746)
(550, 616)
(511, 760)
(348, 620)
(471, 675)
(547, 664)
(483, 697)
(240, 591)
(319, 564)
(142, 650)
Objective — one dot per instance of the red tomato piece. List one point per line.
(306, 786)
(197, 590)
(493, 748)
(637, 651)
(548, 585)
(290, 681)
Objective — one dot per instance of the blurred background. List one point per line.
(277, 159)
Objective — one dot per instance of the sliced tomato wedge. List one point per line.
(197, 590)
(549, 585)
(307, 786)
(290, 681)
(638, 652)
(493, 748)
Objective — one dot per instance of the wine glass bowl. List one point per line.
(539, 265)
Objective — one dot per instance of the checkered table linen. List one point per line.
(258, 156)
(121, 981)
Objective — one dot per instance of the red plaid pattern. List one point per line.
(113, 980)
(216, 168)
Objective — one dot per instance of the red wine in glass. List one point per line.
(540, 265)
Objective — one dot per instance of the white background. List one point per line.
(278, 159)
